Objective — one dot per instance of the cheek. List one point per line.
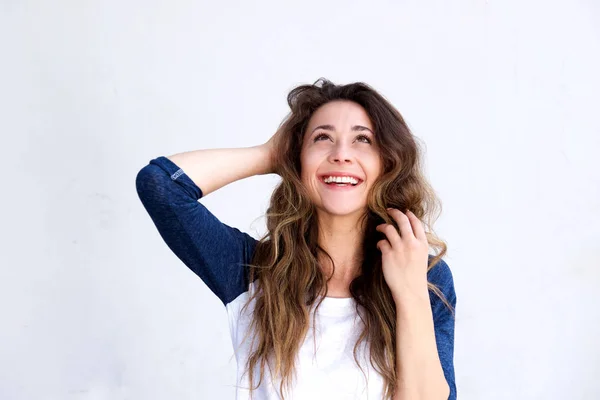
(377, 167)
(309, 163)
(372, 163)
(305, 170)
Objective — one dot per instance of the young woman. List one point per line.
(341, 299)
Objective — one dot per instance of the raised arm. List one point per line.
(170, 187)
(212, 169)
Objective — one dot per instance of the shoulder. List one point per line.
(441, 276)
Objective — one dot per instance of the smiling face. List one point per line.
(340, 158)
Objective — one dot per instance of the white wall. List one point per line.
(504, 93)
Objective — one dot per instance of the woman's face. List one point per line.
(339, 144)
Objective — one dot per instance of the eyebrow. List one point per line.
(358, 128)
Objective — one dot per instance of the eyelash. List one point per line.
(359, 136)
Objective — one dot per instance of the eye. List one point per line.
(364, 138)
(320, 135)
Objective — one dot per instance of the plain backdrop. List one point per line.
(504, 94)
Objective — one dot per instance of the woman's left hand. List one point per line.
(404, 256)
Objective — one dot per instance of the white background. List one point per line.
(94, 305)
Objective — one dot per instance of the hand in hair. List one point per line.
(272, 147)
(404, 257)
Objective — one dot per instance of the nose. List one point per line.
(340, 154)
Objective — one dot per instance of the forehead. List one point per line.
(341, 114)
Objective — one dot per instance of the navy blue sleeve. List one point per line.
(443, 320)
(214, 251)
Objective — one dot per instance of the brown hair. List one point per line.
(285, 268)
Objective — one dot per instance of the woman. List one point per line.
(340, 300)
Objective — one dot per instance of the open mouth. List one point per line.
(341, 181)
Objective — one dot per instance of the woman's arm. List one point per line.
(212, 169)
(425, 342)
(420, 373)
(170, 187)
(424, 331)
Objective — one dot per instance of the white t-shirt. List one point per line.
(329, 373)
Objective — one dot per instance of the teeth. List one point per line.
(340, 179)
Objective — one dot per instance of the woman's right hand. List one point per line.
(271, 147)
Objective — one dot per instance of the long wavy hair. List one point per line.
(285, 270)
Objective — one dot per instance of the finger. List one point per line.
(384, 246)
(402, 221)
(391, 234)
(417, 226)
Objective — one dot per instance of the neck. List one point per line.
(342, 238)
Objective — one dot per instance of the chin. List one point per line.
(342, 210)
